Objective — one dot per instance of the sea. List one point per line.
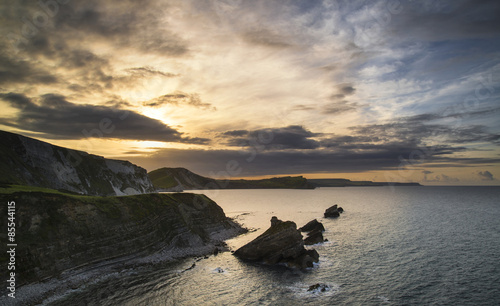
(418, 245)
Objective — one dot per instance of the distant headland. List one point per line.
(177, 179)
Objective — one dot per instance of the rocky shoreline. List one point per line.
(67, 282)
(64, 235)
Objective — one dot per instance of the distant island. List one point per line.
(349, 183)
(178, 179)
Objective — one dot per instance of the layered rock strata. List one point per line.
(281, 243)
(59, 232)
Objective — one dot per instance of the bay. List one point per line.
(391, 246)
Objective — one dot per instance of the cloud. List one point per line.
(425, 173)
(443, 178)
(259, 161)
(420, 129)
(264, 37)
(290, 137)
(127, 23)
(57, 118)
(455, 20)
(376, 79)
(20, 71)
(179, 98)
(149, 71)
(301, 107)
(486, 175)
(446, 178)
(235, 133)
(339, 107)
(339, 103)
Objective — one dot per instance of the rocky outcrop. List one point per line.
(315, 231)
(314, 237)
(27, 161)
(313, 226)
(59, 232)
(334, 211)
(281, 243)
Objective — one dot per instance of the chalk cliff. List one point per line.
(27, 161)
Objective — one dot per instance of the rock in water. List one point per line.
(312, 226)
(333, 211)
(315, 230)
(319, 287)
(314, 237)
(281, 243)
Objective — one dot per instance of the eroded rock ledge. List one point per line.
(59, 232)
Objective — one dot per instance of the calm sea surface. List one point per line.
(391, 246)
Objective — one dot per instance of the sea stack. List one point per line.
(281, 243)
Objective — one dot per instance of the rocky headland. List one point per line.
(58, 232)
(183, 179)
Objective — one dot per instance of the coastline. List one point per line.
(65, 241)
(80, 278)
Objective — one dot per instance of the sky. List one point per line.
(365, 90)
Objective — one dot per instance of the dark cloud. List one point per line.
(486, 175)
(347, 90)
(20, 71)
(419, 128)
(290, 137)
(339, 103)
(57, 118)
(340, 107)
(179, 98)
(342, 91)
(67, 37)
(235, 133)
(149, 71)
(257, 161)
(129, 24)
(265, 37)
(469, 19)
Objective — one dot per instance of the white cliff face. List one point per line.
(37, 163)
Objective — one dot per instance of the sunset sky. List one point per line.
(364, 90)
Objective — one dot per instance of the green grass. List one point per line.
(161, 180)
(9, 189)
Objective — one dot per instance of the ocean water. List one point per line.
(391, 246)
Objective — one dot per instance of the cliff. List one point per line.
(181, 178)
(27, 161)
(57, 232)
